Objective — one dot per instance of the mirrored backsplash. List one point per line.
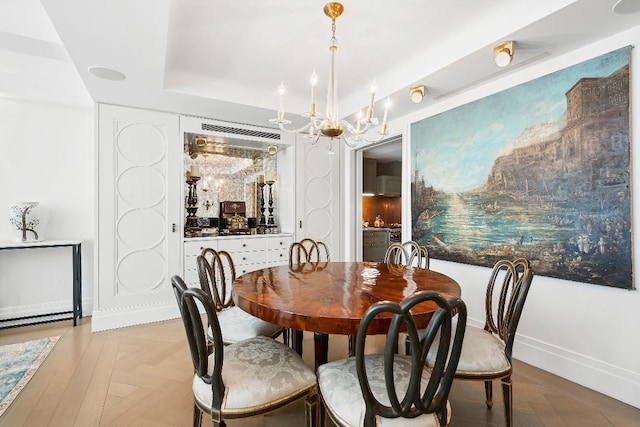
(227, 173)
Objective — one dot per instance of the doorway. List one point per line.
(381, 192)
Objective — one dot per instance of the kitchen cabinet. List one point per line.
(388, 185)
(369, 171)
(375, 242)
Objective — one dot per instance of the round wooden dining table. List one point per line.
(332, 297)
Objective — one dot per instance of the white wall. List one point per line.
(46, 155)
(585, 333)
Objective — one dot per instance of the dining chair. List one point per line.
(396, 254)
(377, 389)
(486, 353)
(317, 251)
(249, 378)
(217, 272)
(298, 254)
(424, 257)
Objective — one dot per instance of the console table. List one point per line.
(76, 312)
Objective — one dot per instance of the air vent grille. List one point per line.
(238, 131)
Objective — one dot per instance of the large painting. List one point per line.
(541, 170)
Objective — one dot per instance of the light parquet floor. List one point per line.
(141, 376)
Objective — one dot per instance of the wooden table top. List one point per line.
(332, 297)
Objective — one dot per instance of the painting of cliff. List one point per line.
(540, 170)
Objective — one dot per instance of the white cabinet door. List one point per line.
(139, 208)
(318, 193)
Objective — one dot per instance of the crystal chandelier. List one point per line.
(330, 125)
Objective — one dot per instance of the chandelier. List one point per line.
(329, 125)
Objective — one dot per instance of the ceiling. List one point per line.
(225, 60)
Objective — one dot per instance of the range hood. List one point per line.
(390, 186)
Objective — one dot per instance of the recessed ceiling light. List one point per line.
(107, 73)
(623, 7)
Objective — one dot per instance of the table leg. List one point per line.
(77, 283)
(321, 346)
(296, 341)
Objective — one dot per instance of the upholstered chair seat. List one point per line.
(343, 399)
(239, 325)
(258, 373)
(482, 354)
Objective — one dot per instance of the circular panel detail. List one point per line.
(133, 278)
(141, 228)
(317, 161)
(141, 144)
(320, 222)
(141, 186)
(318, 193)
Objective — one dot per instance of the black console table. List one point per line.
(76, 312)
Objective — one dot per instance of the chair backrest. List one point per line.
(506, 294)
(414, 402)
(317, 251)
(298, 254)
(396, 254)
(418, 255)
(217, 272)
(187, 299)
(424, 260)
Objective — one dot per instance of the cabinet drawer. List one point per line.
(245, 268)
(369, 237)
(279, 242)
(193, 249)
(252, 257)
(191, 278)
(278, 256)
(231, 244)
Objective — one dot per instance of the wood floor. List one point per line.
(141, 376)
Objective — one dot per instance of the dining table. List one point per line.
(332, 297)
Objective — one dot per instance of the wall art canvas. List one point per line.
(540, 170)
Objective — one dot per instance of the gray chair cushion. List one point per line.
(257, 373)
(340, 390)
(238, 325)
(482, 354)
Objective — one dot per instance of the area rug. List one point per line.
(18, 363)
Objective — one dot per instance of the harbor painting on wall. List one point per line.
(540, 170)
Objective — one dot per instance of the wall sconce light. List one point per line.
(272, 149)
(201, 141)
(503, 53)
(416, 94)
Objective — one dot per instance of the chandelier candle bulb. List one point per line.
(384, 118)
(281, 91)
(314, 84)
(373, 98)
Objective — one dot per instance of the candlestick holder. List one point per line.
(191, 224)
(263, 219)
(270, 220)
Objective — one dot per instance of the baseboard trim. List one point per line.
(613, 381)
(122, 317)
